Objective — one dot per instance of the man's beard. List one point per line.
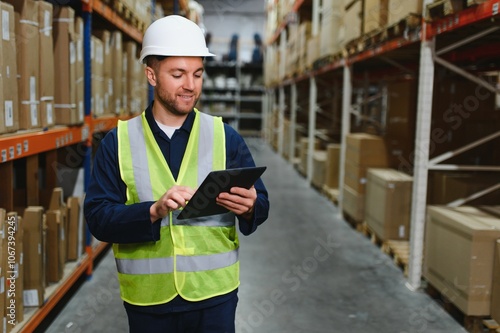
(172, 106)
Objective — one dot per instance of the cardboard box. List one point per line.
(117, 70)
(34, 273)
(97, 56)
(353, 203)
(459, 256)
(73, 227)
(319, 168)
(388, 203)
(107, 71)
(9, 116)
(313, 45)
(28, 68)
(331, 24)
(351, 27)
(46, 63)
(55, 246)
(332, 165)
(80, 84)
(304, 149)
(134, 80)
(374, 14)
(400, 9)
(57, 204)
(366, 150)
(66, 112)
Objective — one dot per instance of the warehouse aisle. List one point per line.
(304, 270)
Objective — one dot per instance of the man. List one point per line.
(175, 275)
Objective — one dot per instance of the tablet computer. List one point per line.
(203, 202)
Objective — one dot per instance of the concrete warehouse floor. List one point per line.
(304, 270)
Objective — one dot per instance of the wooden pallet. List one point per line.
(412, 23)
(327, 60)
(331, 193)
(473, 324)
(399, 251)
(442, 8)
(353, 222)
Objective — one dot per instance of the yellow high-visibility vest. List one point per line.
(194, 258)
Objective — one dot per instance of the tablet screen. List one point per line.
(203, 202)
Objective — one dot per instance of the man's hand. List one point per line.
(239, 200)
(173, 199)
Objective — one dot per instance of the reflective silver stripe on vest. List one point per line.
(139, 159)
(184, 264)
(221, 220)
(145, 266)
(205, 146)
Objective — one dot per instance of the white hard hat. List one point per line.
(174, 35)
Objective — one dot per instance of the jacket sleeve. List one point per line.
(108, 218)
(238, 156)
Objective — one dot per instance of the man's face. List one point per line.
(178, 83)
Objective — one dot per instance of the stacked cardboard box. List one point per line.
(363, 151)
(388, 203)
(107, 72)
(303, 37)
(304, 153)
(46, 63)
(57, 226)
(352, 23)
(28, 67)
(97, 56)
(400, 9)
(319, 168)
(80, 84)
(459, 256)
(135, 86)
(65, 107)
(9, 103)
(331, 22)
(33, 255)
(117, 71)
(374, 14)
(332, 165)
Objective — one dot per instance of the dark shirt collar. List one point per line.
(186, 126)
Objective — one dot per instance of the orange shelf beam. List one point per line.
(109, 14)
(463, 18)
(19, 145)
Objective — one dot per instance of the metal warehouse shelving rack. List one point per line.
(28, 144)
(439, 42)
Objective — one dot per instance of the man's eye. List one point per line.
(177, 76)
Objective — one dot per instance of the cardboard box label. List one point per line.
(50, 113)
(47, 23)
(72, 52)
(9, 114)
(5, 25)
(30, 298)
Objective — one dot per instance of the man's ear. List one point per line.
(151, 76)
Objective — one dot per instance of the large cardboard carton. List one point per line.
(9, 115)
(459, 256)
(319, 168)
(355, 176)
(332, 165)
(400, 9)
(57, 203)
(331, 22)
(46, 63)
(73, 227)
(97, 56)
(313, 45)
(33, 256)
(107, 71)
(80, 84)
(352, 23)
(374, 14)
(303, 155)
(366, 150)
(353, 203)
(117, 71)
(65, 107)
(55, 245)
(388, 203)
(28, 67)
